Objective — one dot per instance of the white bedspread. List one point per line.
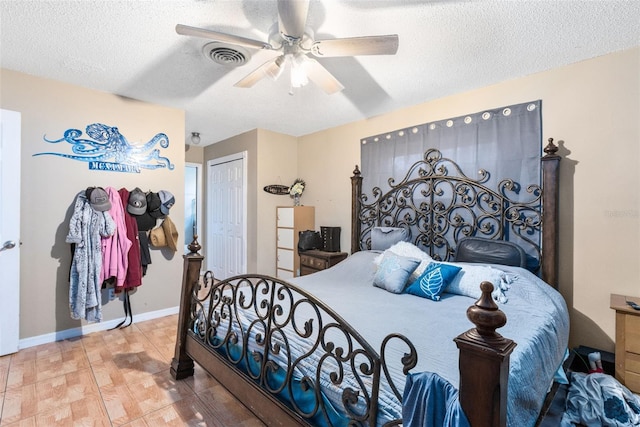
(537, 320)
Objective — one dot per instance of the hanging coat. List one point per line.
(134, 271)
(115, 248)
(86, 229)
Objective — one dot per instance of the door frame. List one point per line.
(208, 243)
(198, 167)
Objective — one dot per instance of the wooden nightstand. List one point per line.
(314, 260)
(627, 341)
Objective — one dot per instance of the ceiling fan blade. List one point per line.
(186, 30)
(292, 17)
(321, 76)
(272, 68)
(354, 46)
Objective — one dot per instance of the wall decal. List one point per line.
(109, 150)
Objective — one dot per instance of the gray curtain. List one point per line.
(506, 142)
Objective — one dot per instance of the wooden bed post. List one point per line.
(356, 192)
(484, 363)
(182, 364)
(550, 197)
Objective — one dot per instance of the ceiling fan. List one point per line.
(295, 42)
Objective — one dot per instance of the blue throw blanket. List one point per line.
(431, 401)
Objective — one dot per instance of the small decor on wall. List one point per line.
(278, 189)
(109, 150)
(296, 190)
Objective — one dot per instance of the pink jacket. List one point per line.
(115, 249)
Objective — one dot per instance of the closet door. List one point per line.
(9, 231)
(227, 223)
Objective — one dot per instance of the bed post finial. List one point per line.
(551, 149)
(356, 192)
(194, 246)
(484, 363)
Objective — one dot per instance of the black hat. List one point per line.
(153, 205)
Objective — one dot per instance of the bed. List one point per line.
(331, 349)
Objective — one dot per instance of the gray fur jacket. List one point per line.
(86, 229)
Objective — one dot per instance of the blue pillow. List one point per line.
(382, 238)
(394, 271)
(432, 282)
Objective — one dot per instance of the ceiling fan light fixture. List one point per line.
(294, 40)
(299, 76)
(195, 138)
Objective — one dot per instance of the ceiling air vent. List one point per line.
(226, 54)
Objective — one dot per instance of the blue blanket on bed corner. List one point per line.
(431, 401)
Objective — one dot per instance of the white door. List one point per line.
(226, 241)
(9, 231)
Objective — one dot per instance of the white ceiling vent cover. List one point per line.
(226, 54)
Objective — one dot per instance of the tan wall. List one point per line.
(193, 154)
(50, 184)
(593, 108)
(277, 164)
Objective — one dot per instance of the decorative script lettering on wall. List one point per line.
(109, 150)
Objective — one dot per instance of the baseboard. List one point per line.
(91, 327)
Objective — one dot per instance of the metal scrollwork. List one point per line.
(440, 205)
(291, 344)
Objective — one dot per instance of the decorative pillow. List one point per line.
(468, 282)
(409, 250)
(433, 281)
(488, 251)
(382, 238)
(393, 272)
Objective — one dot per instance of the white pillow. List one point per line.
(409, 250)
(467, 281)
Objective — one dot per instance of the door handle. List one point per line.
(9, 244)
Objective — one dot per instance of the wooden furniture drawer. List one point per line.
(315, 260)
(284, 238)
(632, 362)
(632, 381)
(627, 341)
(285, 259)
(632, 331)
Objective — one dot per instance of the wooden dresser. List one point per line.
(627, 341)
(314, 260)
(290, 220)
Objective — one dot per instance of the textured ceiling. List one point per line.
(130, 48)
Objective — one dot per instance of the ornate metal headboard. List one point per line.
(439, 204)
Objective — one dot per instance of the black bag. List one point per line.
(308, 240)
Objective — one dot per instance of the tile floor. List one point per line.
(113, 378)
